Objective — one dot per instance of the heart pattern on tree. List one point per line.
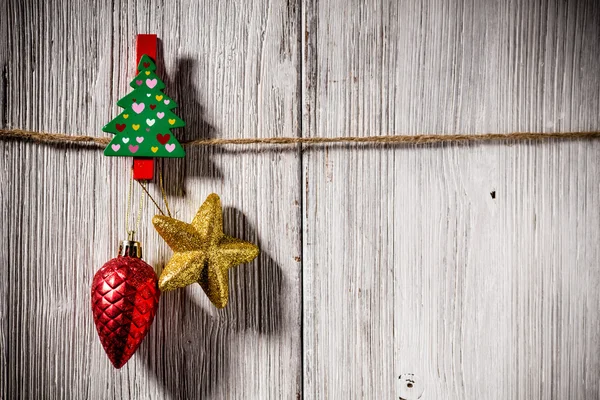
(145, 124)
(163, 139)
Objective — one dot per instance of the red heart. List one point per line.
(133, 100)
(146, 65)
(120, 127)
(152, 106)
(163, 139)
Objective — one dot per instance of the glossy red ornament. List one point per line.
(124, 301)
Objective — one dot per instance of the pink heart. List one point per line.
(167, 101)
(170, 147)
(160, 114)
(116, 147)
(139, 139)
(139, 82)
(138, 107)
(133, 148)
(151, 83)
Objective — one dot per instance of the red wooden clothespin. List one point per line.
(143, 129)
(143, 167)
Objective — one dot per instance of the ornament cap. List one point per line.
(130, 248)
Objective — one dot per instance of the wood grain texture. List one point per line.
(233, 67)
(474, 267)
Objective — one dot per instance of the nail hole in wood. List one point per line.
(493, 194)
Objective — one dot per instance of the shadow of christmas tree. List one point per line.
(198, 160)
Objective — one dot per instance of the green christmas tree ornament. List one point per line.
(143, 129)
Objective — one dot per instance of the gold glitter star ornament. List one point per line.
(203, 253)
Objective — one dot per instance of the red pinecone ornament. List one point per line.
(124, 301)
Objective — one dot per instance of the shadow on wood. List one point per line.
(188, 349)
(198, 160)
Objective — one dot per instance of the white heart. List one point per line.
(139, 139)
(167, 101)
(125, 139)
(148, 94)
(160, 115)
(170, 147)
(150, 122)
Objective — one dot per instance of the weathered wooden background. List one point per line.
(474, 267)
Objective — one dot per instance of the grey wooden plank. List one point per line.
(232, 67)
(411, 265)
(4, 242)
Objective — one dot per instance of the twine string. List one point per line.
(58, 138)
(151, 198)
(45, 137)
